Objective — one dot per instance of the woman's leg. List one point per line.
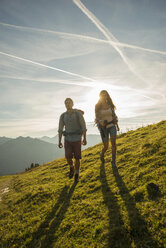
(105, 148)
(105, 139)
(113, 143)
(106, 144)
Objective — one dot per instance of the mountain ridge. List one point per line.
(17, 154)
(46, 149)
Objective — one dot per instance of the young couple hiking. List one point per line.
(75, 128)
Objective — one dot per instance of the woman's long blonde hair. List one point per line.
(108, 99)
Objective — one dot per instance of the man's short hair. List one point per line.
(69, 99)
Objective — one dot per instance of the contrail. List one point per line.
(47, 66)
(109, 36)
(83, 37)
(69, 35)
(60, 81)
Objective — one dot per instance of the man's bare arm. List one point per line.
(60, 140)
(84, 142)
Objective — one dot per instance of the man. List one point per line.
(75, 127)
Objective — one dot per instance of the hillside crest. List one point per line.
(107, 208)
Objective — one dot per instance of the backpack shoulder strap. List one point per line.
(77, 117)
(63, 116)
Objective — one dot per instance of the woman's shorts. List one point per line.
(105, 133)
(72, 149)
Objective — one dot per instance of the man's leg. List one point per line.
(70, 163)
(68, 155)
(77, 155)
(77, 166)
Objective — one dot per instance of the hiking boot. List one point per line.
(71, 173)
(76, 178)
(102, 158)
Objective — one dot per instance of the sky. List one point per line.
(53, 49)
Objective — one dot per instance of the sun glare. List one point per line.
(91, 98)
(126, 101)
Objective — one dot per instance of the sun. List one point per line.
(90, 100)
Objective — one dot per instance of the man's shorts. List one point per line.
(72, 149)
(105, 133)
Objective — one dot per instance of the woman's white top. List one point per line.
(106, 114)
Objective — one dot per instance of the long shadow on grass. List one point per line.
(139, 232)
(45, 236)
(118, 236)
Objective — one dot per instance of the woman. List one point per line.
(107, 123)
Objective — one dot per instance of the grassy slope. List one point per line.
(107, 208)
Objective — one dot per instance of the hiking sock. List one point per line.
(76, 179)
(71, 173)
(102, 157)
(113, 160)
(72, 168)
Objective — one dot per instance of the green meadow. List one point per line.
(108, 207)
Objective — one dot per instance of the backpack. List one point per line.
(78, 120)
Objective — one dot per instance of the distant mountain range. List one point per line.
(92, 139)
(53, 140)
(4, 140)
(18, 154)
